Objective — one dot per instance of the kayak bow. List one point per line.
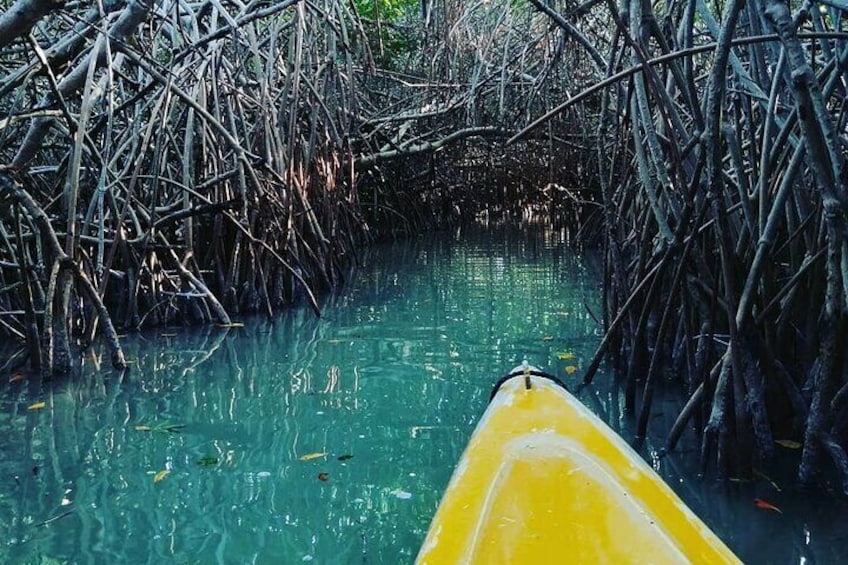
(544, 480)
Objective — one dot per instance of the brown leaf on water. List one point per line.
(760, 503)
(161, 475)
(17, 378)
(324, 477)
(36, 406)
(344, 457)
(571, 369)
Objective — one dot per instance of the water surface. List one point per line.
(330, 440)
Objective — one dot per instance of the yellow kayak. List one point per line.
(543, 480)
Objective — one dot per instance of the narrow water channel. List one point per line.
(330, 440)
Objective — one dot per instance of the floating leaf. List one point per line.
(565, 355)
(401, 494)
(788, 443)
(36, 406)
(571, 369)
(344, 457)
(208, 461)
(311, 456)
(16, 378)
(168, 335)
(161, 427)
(231, 325)
(548, 338)
(767, 505)
(161, 475)
(767, 478)
(324, 477)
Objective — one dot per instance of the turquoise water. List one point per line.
(330, 440)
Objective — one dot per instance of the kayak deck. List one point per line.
(543, 480)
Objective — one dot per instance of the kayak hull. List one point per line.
(543, 480)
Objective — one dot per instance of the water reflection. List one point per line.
(325, 440)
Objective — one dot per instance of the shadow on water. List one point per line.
(329, 440)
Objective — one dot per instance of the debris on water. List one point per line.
(311, 456)
(401, 494)
(208, 461)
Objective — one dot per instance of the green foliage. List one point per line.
(388, 40)
(386, 10)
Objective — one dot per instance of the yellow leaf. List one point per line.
(310, 456)
(161, 475)
(565, 356)
(791, 444)
(571, 369)
(142, 428)
(36, 406)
